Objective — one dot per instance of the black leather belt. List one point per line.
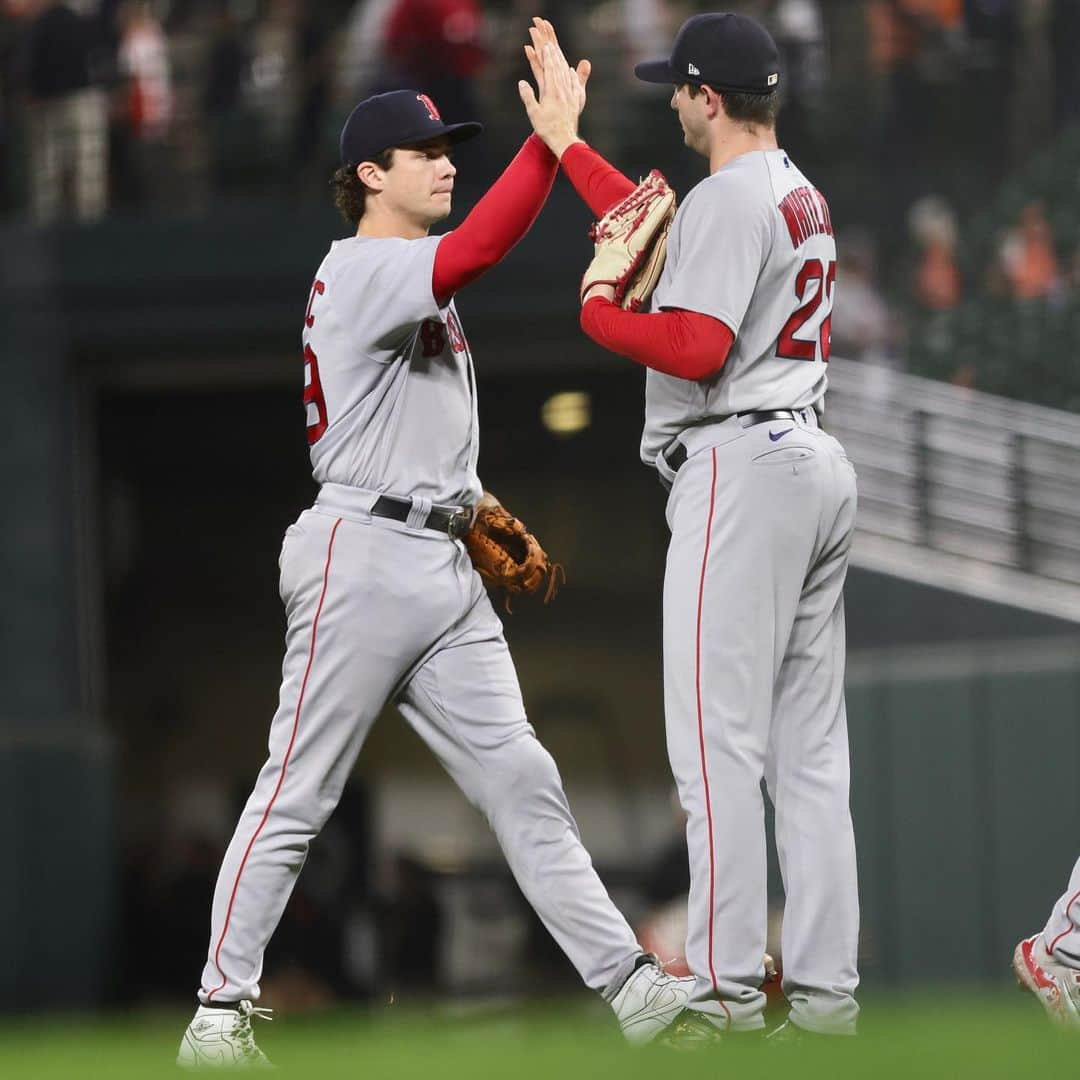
(676, 455)
(450, 521)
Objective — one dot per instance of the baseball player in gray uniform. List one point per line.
(1048, 964)
(382, 601)
(761, 510)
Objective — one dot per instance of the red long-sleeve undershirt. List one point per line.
(595, 179)
(497, 222)
(676, 342)
(686, 344)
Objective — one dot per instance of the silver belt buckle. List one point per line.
(459, 524)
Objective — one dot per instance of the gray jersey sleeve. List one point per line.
(382, 292)
(723, 234)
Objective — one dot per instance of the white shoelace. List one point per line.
(242, 1032)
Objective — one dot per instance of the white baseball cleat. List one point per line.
(1056, 985)
(223, 1039)
(649, 1001)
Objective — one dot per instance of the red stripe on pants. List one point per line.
(284, 765)
(701, 735)
(1068, 929)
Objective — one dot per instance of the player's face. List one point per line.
(691, 112)
(420, 185)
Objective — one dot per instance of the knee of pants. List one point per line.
(824, 788)
(819, 812)
(299, 808)
(523, 793)
(731, 779)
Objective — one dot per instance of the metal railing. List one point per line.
(961, 473)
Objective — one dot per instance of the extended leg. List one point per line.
(465, 703)
(332, 689)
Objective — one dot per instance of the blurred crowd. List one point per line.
(910, 114)
(131, 104)
(1028, 260)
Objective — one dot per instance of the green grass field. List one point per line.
(955, 1034)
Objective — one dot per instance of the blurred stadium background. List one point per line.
(164, 201)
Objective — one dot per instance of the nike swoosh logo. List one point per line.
(776, 436)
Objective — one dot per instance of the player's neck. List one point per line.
(733, 142)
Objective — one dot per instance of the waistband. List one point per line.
(701, 435)
(415, 511)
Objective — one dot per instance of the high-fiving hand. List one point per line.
(554, 110)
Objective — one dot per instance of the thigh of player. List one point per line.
(362, 604)
(463, 696)
(744, 523)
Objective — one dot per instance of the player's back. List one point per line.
(752, 246)
(789, 315)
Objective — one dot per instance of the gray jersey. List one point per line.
(388, 377)
(751, 245)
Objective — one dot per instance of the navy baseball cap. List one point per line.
(723, 50)
(398, 118)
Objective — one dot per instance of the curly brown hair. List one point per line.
(350, 194)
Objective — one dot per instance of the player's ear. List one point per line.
(712, 100)
(371, 175)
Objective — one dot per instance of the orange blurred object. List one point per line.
(897, 27)
(1028, 257)
(938, 283)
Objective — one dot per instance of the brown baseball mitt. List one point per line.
(507, 556)
(631, 243)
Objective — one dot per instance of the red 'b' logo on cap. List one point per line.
(429, 105)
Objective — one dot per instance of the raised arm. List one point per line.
(497, 222)
(597, 181)
(503, 216)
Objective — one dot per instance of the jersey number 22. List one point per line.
(818, 281)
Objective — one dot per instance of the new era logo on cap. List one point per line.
(691, 70)
(774, 78)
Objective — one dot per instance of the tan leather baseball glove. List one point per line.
(507, 556)
(631, 243)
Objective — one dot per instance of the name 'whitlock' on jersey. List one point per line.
(752, 245)
(389, 385)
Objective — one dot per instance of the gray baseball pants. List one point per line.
(1062, 933)
(378, 611)
(754, 651)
